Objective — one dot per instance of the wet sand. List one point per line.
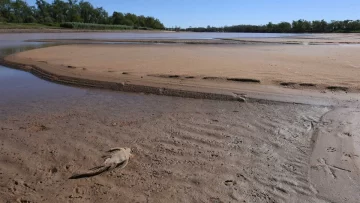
(186, 150)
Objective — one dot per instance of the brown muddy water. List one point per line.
(186, 150)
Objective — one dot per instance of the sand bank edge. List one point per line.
(119, 86)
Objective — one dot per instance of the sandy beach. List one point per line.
(277, 132)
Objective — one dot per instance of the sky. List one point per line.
(200, 13)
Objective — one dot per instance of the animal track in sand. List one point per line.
(230, 182)
(326, 167)
(346, 157)
(348, 134)
(331, 149)
(344, 135)
(37, 128)
(329, 169)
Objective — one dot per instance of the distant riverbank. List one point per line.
(40, 28)
(60, 30)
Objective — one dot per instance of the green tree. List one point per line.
(284, 27)
(131, 19)
(101, 16)
(301, 26)
(87, 12)
(43, 11)
(22, 12)
(59, 11)
(319, 26)
(117, 18)
(74, 12)
(142, 21)
(270, 27)
(5, 10)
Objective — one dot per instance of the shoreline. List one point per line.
(216, 41)
(116, 86)
(312, 39)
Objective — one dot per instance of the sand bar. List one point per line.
(329, 65)
(220, 68)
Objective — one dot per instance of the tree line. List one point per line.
(298, 26)
(18, 11)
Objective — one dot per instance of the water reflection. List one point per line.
(7, 50)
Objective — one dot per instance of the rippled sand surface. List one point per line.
(186, 150)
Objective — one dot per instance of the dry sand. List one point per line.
(221, 67)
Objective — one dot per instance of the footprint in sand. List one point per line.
(230, 182)
(346, 157)
(241, 176)
(215, 200)
(331, 149)
(344, 135)
(348, 134)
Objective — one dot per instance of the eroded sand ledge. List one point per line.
(198, 71)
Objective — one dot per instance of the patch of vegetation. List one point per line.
(296, 26)
(26, 26)
(93, 26)
(74, 11)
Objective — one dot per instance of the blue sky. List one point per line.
(185, 13)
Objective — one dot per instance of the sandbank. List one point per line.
(221, 69)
